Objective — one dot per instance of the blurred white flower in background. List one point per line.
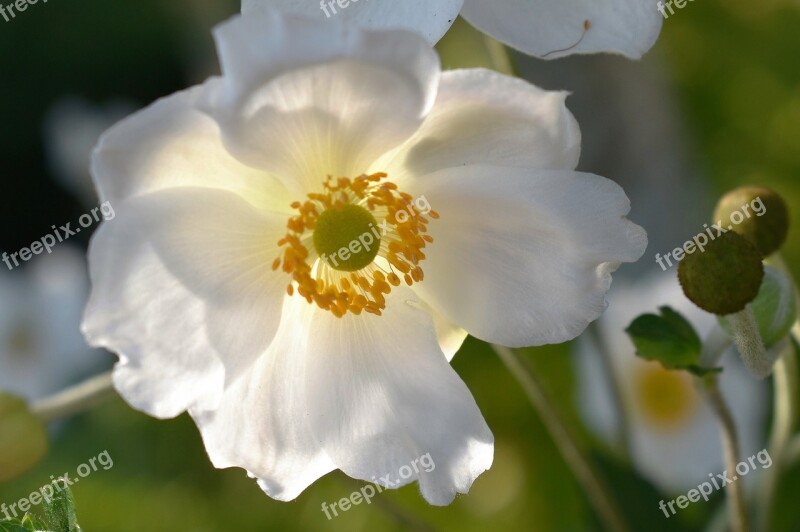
(674, 434)
(41, 304)
(72, 128)
(543, 28)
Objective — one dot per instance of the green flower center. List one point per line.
(347, 238)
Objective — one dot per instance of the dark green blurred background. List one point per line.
(733, 69)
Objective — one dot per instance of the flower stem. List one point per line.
(793, 451)
(751, 347)
(76, 399)
(730, 444)
(607, 363)
(565, 441)
(786, 397)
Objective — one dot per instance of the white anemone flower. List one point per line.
(211, 283)
(41, 303)
(543, 28)
(674, 433)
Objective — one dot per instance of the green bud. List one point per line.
(23, 437)
(757, 213)
(775, 307)
(725, 277)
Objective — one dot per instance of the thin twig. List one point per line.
(730, 445)
(793, 451)
(785, 394)
(620, 406)
(79, 398)
(565, 441)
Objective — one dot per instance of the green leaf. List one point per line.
(29, 523)
(60, 510)
(13, 526)
(669, 339)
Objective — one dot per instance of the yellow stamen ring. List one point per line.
(335, 265)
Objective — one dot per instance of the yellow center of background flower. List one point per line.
(351, 243)
(667, 399)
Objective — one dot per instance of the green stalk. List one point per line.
(566, 442)
(74, 400)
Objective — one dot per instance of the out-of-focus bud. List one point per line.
(757, 213)
(23, 437)
(775, 307)
(725, 277)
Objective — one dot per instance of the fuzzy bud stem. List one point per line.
(755, 356)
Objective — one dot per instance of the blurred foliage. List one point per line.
(28, 523)
(735, 66)
(23, 437)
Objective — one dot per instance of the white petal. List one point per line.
(482, 117)
(182, 290)
(555, 28)
(383, 396)
(365, 394)
(328, 107)
(431, 19)
(524, 257)
(173, 144)
(262, 423)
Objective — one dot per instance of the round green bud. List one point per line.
(725, 277)
(757, 213)
(775, 307)
(23, 437)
